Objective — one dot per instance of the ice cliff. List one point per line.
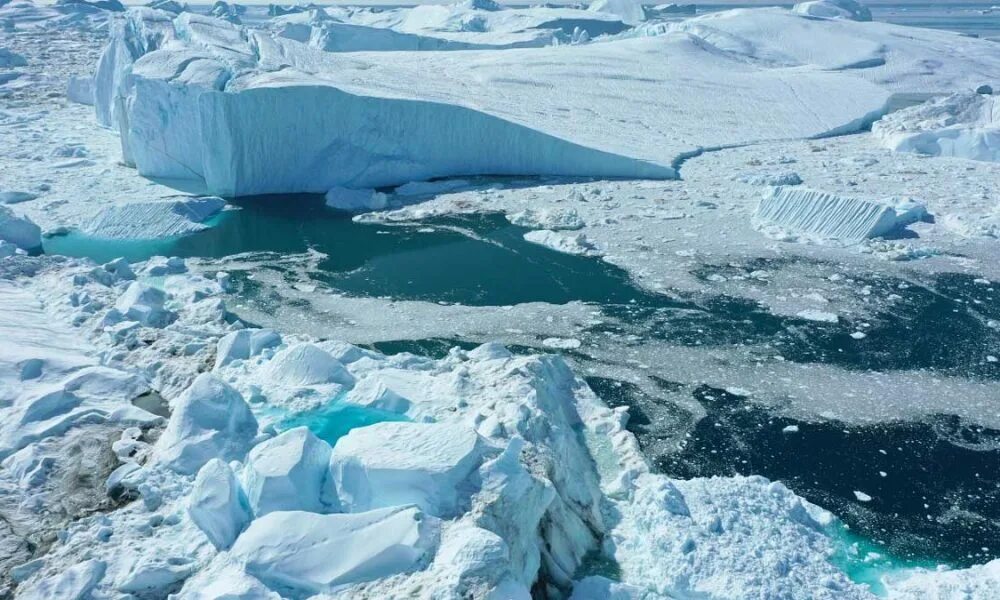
(281, 116)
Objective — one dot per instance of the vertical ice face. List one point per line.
(831, 216)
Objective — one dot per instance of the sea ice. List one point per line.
(389, 464)
(210, 420)
(308, 553)
(965, 125)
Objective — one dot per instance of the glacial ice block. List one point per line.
(153, 220)
(218, 505)
(307, 553)
(246, 113)
(832, 216)
(387, 464)
(210, 420)
(290, 472)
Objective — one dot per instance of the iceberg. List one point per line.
(832, 216)
(306, 553)
(965, 125)
(152, 220)
(20, 231)
(205, 100)
(218, 505)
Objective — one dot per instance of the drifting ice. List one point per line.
(831, 216)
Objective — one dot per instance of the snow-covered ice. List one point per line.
(963, 125)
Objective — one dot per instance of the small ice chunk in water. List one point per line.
(342, 198)
(20, 231)
(862, 497)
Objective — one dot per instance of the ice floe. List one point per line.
(153, 220)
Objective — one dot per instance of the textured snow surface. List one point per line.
(961, 125)
(831, 216)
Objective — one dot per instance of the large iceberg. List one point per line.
(246, 113)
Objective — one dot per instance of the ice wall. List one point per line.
(831, 216)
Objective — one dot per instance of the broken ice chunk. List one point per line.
(395, 463)
(308, 553)
(210, 420)
(832, 216)
(217, 504)
(290, 472)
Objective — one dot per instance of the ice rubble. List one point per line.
(834, 9)
(832, 216)
(195, 82)
(513, 461)
(152, 220)
(963, 125)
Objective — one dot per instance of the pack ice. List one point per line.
(245, 112)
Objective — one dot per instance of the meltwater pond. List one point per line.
(939, 497)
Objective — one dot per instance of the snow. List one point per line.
(18, 230)
(834, 9)
(304, 553)
(389, 464)
(963, 125)
(831, 216)
(290, 472)
(209, 420)
(218, 505)
(153, 220)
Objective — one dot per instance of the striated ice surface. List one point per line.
(152, 220)
(831, 216)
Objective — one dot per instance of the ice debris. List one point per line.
(244, 344)
(218, 505)
(547, 218)
(965, 125)
(355, 200)
(291, 472)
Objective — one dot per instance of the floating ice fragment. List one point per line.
(818, 315)
(20, 231)
(153, 220)
(360, 200)
(862, 497)
(834, 9)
